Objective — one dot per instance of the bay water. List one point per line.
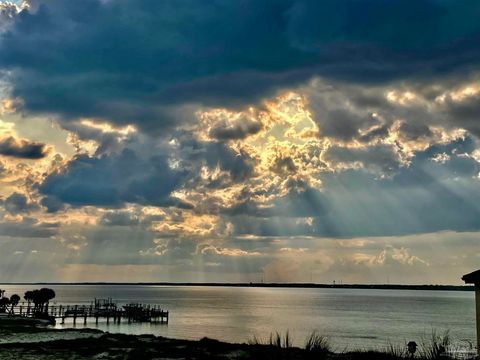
(350, 318)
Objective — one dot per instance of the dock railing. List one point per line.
(130, 312)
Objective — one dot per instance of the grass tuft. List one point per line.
(396, 351)
(317, 345)
(435, 348)
(275, 340)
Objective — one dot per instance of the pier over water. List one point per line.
(105, 309)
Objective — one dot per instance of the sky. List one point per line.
(240, 141)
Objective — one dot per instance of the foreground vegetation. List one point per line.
(277, 347)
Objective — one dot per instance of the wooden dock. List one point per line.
(104, 309)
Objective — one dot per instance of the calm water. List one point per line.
(349, 317)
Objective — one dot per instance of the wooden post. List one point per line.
(477, 302)
(474, 278)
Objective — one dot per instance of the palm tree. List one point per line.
(40, 299)
(4, 302)
(14, 300)
(46, 295)
(28, 296)
(37, 301)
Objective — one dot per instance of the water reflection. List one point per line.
(349, 317)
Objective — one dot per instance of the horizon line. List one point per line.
(257, 284)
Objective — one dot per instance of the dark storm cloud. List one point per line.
(379, 132)
(134, 61)
(114, 180)
(52, 204)
(414, 130)
(239, 129)
(21, 148)
(214, 154)
(464, 114)
(140, 174)
(18, 203)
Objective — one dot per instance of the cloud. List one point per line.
(113, 180)
(8, 106)
(18, 203)
(119, 218)
(297, 203)
(52, 204)
(8, 12)
(421, 197)
(102, 137)
(380, 159)
(224, 126)
(210, 249)
(28, 228)
(461, 106)
(238, 163)
(137, 61)
(239, 130)
(24, 149)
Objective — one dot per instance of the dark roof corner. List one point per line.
(472, 278)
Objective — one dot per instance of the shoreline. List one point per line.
(50, 344)
(260, 285)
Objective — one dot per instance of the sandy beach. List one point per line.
(26, 335)
(46, 344)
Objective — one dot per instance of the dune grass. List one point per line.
(435, 347)
(317, 346)
(276, 340)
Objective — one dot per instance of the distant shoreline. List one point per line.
(263, 285)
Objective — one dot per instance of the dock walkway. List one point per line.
(100, 309)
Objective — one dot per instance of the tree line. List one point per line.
(39, 298)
